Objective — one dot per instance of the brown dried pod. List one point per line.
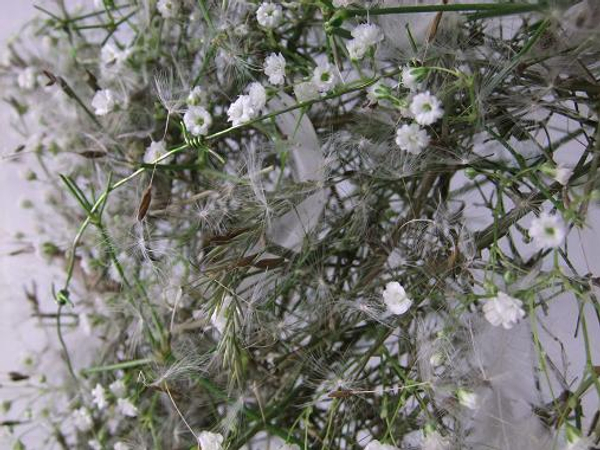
(145, 203)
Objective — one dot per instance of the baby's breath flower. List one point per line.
(154, 151)
(197, 120)
(306, 91)
(269, 15)
(99, 397)
(547, 231)
(395, 298)
(112, 59)
(258, 95)
(412, 138)
(323, 77)
(376, 445)
(27, 79)
(196, 97)
(412, 77)
(241, 111)
(94, 444)
(274, 68)
(82, 419)
(168, 8)
(364, 36)
(467, 398)
(118, 388)
(426, 108)
(126, 408)
(210, 441)
(104, 102)
(503, 310)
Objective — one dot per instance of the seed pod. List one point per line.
(145, 203)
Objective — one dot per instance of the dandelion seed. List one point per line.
(197, 120)
(126, 408)
(210, 441)
(364, 36)
(168, 8)
(99, 397)
(82, 419)
(395, 298)
(118, 388)
(274, 68)
(547, 231)
(323, 77)
(104, 102)
(269, 15)
(426, 108)
(412, 138)
(376, 445)
(503, 310)
(467, 399)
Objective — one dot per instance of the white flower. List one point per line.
(197, 120)
(27, 78)
(241, 111)
(467, 399)
(94, 445)
(376, 445)
(168, 8)
(306, 91)
(210, 441)
(269, 15)
(503, 310)
(547, 230)
(395, 298)
(323, 77)
(99, 397)
(274, 68)
(112, 58)
(126, 408)
(258, 96)
(218, 319)
(342, 3)
(104, 102)
(412, 138)
(196, 97)
(365, 36)
(118, 388)
(426, 108)
(154, 151)
(411, 78)
(563, 174)
(121, 446)
(434, 441)
(82, 419)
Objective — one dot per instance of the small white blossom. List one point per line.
(411, 78)
(168, 8)
(99, 397)
(258, 95)
(82, 419)
(154, 151)
(210, 441)
(426, 108)
(306, 91)
(126, 408)
(104, 102)
(112, 58)
(412, 138)
(196, 97)
(323, 77)
(503, 310)
(27, 79)
(547, 231)
(118, 388)
(269, 15)
(274, 68)
(94, 445)
(197, 120)
(376, 445)
(364, 36)
(241, 111)
(395, 298)
(467, 399)
(563, 174)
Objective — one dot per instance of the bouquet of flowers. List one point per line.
(327, 224)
